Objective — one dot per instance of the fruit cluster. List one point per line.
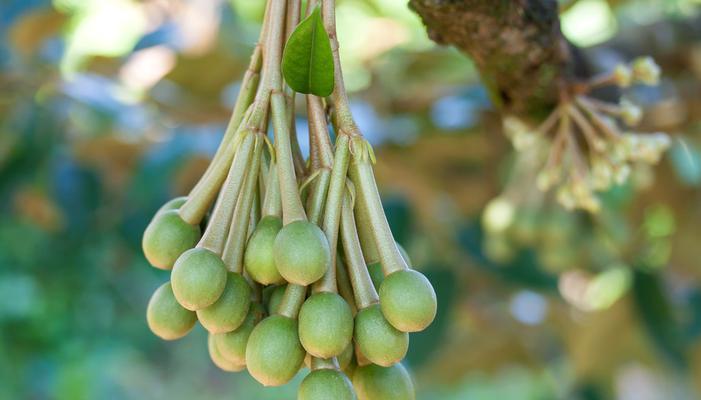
(296, 261)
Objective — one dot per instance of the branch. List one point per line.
(516, 45)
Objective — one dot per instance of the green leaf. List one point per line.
(307, 62)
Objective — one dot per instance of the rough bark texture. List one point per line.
(516, 45)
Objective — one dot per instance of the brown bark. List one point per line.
(516, 45)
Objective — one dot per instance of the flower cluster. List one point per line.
(587, 149)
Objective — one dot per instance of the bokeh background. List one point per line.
(110, 107)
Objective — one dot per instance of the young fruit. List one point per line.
(166, 237)
(274, 353)
(379, 341)
(326, 384)
(198, 278)
(301, 253)
(258, 260)
(232, 345)
(408, 300)
(373, 382)
(229, 311)
(325, 325)
(166, 317)
(220, 361)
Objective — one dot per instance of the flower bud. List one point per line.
(646, 71)
(622, 76)
(631, 114)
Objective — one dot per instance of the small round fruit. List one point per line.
(326, 384)
(232, 345)
(301, 253)
(373, 382)
(229, 311)
(325, 325)
(258, 260)
(166, 237)
(198, 278)
(379, 341)
(275, 299)
(166, 317)
(172, 204)
(220, 361)
(408, 300)
(274, 353)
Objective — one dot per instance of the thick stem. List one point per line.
(205, 191)
(319, 132)
(292, 300)
(332, 215)
(215, 235)
(272, 203)
(339, 98)
(247, 93)
(318, 196)
(364, 180)
(292, 209)
(365, 294)
(238, 232)
(344, 285)
(367, 240)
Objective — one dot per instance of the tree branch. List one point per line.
(516, 45)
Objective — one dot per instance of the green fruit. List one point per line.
(408, 300)
(301, 253)
(166, 237)
(258, 260)
(346, 357)
(274, 353)
(373, 382)
(217, 358)
(325, 325)
(198, 278)
(232, 345)
(166, 317)
(172, 204)
(275, 299)
(229, 311)
(326, 384)
(376, 274)
(379, 341)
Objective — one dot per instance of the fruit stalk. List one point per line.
(365, 294)
(238, 232)
(214, 236)
(364, 180)
(203, 193)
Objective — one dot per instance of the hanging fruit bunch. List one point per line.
(296, 261)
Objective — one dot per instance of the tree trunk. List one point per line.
(516, 45)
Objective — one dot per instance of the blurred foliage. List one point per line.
(110, 107)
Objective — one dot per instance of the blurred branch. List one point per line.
(516, 45)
